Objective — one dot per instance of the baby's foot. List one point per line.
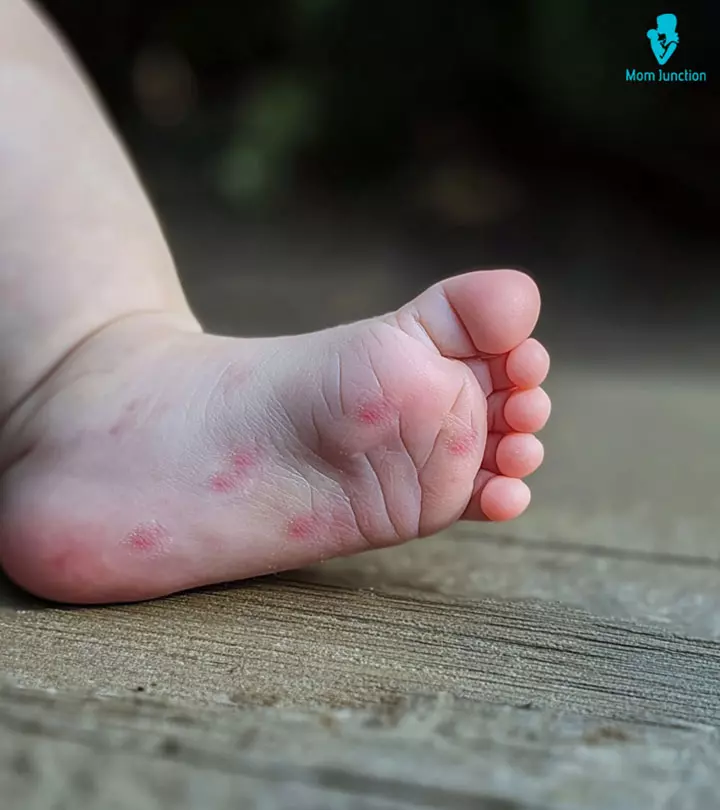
(157, 459)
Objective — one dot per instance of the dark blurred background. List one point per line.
(316, 161)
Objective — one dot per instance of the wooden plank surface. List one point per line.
(676, 591)
(298, 644)
(59, 752)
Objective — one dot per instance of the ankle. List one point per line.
(16, 410)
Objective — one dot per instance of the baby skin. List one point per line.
(140, 456)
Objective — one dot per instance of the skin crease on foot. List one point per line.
(156, 459)
(140, 456)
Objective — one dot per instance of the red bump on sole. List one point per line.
(235, 472)
(147, 538)
(375, 412)
(243, 460)
(222, 482)
(303, 527)
(463, 445)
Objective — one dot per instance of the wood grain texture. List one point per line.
(67, 753)
(676, 591)
(272, 642)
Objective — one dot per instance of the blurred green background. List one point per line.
(366, 149)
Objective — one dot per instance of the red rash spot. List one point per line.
(235, 471)
(373, 413)
(147, 537)
(243, 461)
(462, 445)
(303, 527)
(127, 420)
(222, 483)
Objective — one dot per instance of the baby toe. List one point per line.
(504, 498)
(519, 454)
(518, 411)
(528, 365)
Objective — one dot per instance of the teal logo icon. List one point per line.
(664, 39)
(663, 42)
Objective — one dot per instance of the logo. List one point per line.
(664, 39)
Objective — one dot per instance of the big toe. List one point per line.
(499, 308)
(482, 312)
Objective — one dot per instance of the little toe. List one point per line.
(518, 411)
(514, 454)
(504, 498)
(526, 366)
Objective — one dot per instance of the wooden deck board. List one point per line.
(65, 752)
(298, 644)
